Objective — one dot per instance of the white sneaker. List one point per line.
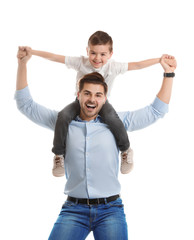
(126, 161)
(58, 166)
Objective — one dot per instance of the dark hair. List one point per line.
(94, 78)
(101, 38)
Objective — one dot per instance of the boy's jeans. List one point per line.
(75, 221)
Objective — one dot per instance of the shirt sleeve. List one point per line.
(73, 62)
(118, 67)
(35, 112)
(144, 117)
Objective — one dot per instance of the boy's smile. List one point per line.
(99, 55)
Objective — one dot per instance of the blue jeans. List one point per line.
(76, 221)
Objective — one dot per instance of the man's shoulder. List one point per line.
(122, 115)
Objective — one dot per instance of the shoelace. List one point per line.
(59, 161)
(125, 157)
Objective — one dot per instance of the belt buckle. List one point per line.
(88, 201)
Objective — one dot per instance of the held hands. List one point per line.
(168, 63)
(24, 54)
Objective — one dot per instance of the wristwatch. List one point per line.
(169, 75)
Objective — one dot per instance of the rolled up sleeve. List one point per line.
(35, 112)
(144, 117)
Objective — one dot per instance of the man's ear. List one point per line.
(105, 100)
(78, 95)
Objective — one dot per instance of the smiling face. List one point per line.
(99, 54)
(91, 98)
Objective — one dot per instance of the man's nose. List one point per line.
(92, 98)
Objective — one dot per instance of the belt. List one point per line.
(93, 201)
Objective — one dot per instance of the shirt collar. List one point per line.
(96, 120)
(102, 70)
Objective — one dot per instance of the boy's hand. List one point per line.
(168, 63)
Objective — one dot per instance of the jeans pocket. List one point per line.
(68, 204)
(116, 203)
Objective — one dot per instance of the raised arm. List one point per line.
(169, 65)
(46, 55)
(143, 64)
(148, 115)
(26, 105)
(21, 81)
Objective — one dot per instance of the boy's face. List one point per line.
(99, 55)
(91, 99)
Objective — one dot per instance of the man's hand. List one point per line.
(168, 63)
(24, 54)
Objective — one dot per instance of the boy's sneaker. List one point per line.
(58, 166)
(126, 161)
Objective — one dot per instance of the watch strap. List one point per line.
(169, 75)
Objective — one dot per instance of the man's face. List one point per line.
(91, 98)
(99, 55)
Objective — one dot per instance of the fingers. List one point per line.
(169, 59)
(171, 62)
(23, 51)
(24, 48)
(24, 54)
(167, 56)
(168, 62)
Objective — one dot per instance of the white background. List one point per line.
(158, 194)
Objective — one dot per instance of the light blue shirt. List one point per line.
(91, 162)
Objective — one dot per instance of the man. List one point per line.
(92, 186)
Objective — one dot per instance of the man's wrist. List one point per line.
(22, 63)
(168, 70)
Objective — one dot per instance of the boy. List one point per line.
(99, 51)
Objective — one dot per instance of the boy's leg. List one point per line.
(59, 143)
(110, 117)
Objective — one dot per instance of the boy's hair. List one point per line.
(101, 38)
(94, 78)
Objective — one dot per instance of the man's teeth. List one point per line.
(91, 106)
